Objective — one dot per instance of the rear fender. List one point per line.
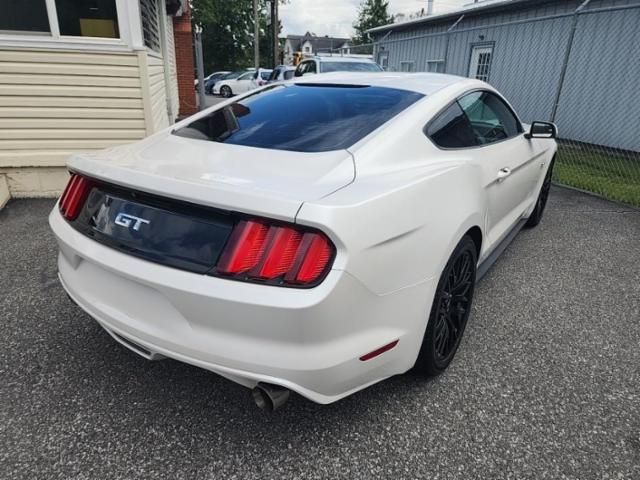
(399, 230)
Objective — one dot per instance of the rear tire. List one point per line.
(225, 91)
(450, 310)
(536, 216)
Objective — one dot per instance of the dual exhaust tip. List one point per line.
(269, 397)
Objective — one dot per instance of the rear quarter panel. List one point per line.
(397, 224)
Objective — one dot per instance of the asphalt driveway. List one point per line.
(546, 383)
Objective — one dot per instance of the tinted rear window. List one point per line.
(303, 118)
(327, 67)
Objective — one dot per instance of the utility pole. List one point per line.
(274, 26)
(256, 35)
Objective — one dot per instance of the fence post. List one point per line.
(567, 54)
(446, 42)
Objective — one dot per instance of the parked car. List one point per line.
(321, 250)
(260, 77)
(208, 77)
(234, 83)
(281, 73)
(213, 78)
(322, 64)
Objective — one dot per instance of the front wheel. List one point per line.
(450, 309)
(225, 91)
(541, 202)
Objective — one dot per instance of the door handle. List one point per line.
(503, 173)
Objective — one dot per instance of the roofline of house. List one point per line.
(472, 9)
(300, 37)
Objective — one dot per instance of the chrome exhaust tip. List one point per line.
(269, 397)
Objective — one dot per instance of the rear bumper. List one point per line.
(309, 341)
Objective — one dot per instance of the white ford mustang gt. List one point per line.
(317, 236)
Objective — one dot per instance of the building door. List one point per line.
(480, 64)
(383, 60)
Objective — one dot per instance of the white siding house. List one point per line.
(79, 76)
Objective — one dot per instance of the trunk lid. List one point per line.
(272, 183)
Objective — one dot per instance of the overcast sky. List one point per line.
(336, 17)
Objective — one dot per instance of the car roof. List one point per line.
(425, 83)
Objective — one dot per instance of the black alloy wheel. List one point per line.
(536, 216)
(450, 309)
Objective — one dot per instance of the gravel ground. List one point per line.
(545, 385)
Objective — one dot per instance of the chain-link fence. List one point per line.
(576, 64)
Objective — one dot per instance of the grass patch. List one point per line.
(613, 175)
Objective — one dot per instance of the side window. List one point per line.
(311, 67)
(451, 129)
(302, 69)
(288, 75)
(247, 76)
(490, 118)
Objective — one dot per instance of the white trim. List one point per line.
(52, 13)
(132, 9)
(162, 21)
(63, 43)
(146, 90)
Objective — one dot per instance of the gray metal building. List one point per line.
(574, 62)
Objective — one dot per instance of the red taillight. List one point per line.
(244, 248)
(314, 254)
(281, 246)
(74, 196)
(288, 255)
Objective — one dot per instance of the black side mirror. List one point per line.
(542, 130)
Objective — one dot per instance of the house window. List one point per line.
(88, 18)
(24, 16)
(150, 24)
(480, 64)
(307, 49)
(435, 66)
(407, 67)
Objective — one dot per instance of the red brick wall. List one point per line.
(184, 62)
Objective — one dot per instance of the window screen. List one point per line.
(24, 16)
(150, 24)
(303, 117)
(82, 18)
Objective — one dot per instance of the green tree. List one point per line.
(227, 33)
(371, 14)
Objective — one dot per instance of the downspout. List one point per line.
(567, 54)
(446, 41)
